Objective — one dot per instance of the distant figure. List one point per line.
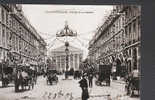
(84, 87)
(90, 78)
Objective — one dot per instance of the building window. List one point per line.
(13, 41)
(16, 43)
(134, 31)
(130, 52)
(3, 36)
(7, 19)
(130, 13)
(7, 38)
(139, 29)
(134, 58)
(3, 16)
(130, 34)
(10, 21)
(0, 34)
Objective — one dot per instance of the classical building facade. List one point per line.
(59, 56)
(19, 37)
(117, 41)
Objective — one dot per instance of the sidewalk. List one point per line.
(119, 81)
(9, 85)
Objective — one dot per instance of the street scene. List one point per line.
(70, 52)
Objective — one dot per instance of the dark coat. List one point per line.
(83, 83)
(84, 86)
(90, 77)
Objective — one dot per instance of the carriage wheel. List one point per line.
(3, 84)
(29, 87)
(131, 92)
(57, 80)
(108, 83)
(95, 82)
(47, 81)
(100, 83)
(32, 85)
(51, 83)
(126, 90)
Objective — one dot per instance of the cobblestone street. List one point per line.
(65, 90)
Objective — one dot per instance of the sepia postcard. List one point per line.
(70, 52)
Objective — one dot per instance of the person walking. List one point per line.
(18, 80)
(90, 78)
(84, 86)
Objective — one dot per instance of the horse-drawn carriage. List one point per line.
(103, 75)
(29, 80)
(25, 79)
(77, 74)
(132, 84)
(52, 76)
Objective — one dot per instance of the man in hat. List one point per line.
(84, 87)
(90, 78)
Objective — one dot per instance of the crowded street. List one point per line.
(66, 90)
(70, 52)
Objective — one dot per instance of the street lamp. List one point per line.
(67, 54)
(67, 59)
(66, 32)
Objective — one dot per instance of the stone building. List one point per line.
(59, 56)
(117, 41)
(19, 37)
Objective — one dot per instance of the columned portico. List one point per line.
(73, 58)
(74, 62)
(78, 61)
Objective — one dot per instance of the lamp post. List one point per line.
(67, 59)
(66, 32)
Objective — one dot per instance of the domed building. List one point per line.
(74, 57)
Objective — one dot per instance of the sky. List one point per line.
(50, 19)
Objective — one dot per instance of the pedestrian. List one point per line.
(90, 78)
(84, 86)
(18, 80)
